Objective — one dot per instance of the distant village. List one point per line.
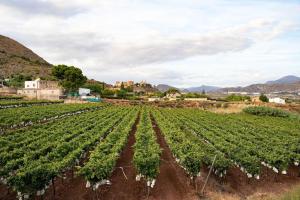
(129, 90)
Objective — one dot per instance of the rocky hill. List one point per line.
(164, 87)
(18, 59)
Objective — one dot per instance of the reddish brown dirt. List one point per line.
(6, 194)
(121, 187)
(172, 182)
(238, 186)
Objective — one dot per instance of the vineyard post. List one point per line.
(210, 170)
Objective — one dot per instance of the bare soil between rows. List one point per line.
(172, 182)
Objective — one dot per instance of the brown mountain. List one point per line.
(18, 59)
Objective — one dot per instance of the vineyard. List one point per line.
(100, 151)
(17, 103)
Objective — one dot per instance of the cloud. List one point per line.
(159, 51)
(33, 7)
(111, 52)
(156, 40)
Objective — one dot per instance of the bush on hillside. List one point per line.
(266, 111)
(263, 98)
(235, 97)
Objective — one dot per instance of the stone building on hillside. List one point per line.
(41, 89)
(126, 84)
(173, 96)
(255, 99)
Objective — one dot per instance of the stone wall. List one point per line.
(7, 90)
(47, 94)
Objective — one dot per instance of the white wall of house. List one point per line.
(195, 99)
(32, 84)
(84, 91)
(39, 89)
(277, 100)
(175, 95)
(151, 99)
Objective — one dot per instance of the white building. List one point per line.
(84, 91)
(277, 100)
(32, 84)
(151, 99)
(40, 89)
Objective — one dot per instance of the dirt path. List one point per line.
(121, 187)
(172, 182)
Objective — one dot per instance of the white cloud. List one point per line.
(139, 36)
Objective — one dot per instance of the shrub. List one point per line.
(264, 98)
(235, 97)
(266, 111)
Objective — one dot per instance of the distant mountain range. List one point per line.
(285, 84)
(206, 88)
(285, 80)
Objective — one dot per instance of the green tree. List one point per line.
(129, 89)
(121, 93)
(18, 80)
(107, 93)
(122, 86)
(94, 87)
(70, 77)
(172, 91)
(59, 71)
(263, 98)
(157, 94)
(195, 95)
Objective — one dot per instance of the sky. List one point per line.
(182, 43)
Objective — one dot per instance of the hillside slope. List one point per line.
(285, 80)
(18, 59)
(164, 87)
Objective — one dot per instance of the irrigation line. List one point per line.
(210, 170)
(123, 172)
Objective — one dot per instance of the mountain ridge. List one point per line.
(290, 83)
(285, 80)
(15, 58)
